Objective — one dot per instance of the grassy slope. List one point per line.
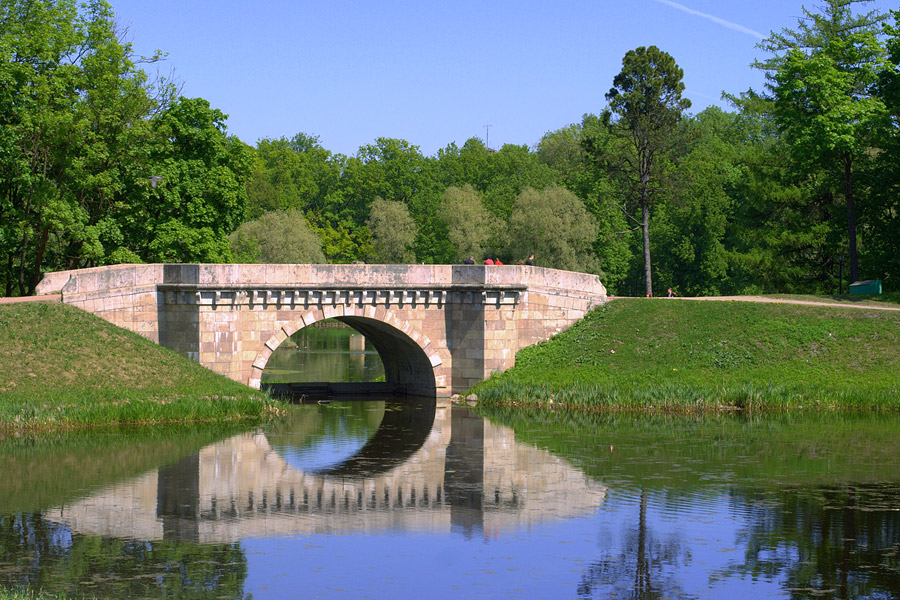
(62, 367)
(683, 355)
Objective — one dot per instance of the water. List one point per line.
(400, 498)
(395, 497)
(324, 354)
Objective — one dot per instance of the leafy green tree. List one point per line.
(281, 237)
(566, 152)
(394, 170)
(292, 173)
(467, 165)
(512, 169)
(553, 224)
(393, 231)
(74, 109)
(470, 228)
(200, 192)
(822, 78)
(689, 229)
(883, 213)
(645, 106)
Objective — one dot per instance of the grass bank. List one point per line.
(664, 355)
(63, 368)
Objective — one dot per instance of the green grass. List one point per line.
(685, 356)
(62, 368)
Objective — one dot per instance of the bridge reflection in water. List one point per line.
(428, 467)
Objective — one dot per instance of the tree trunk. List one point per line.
(38, 260)
(645, 230)
(851, 216)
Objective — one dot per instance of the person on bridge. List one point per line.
(530, 260)
(469, 261)
(497, 261)
(488, 260)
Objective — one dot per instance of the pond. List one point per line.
(402, 497)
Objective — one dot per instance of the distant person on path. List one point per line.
(497, 261)
(469, 261)
(488, 261)
(530, 260)
(671, 294)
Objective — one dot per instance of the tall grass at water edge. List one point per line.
(681, 356)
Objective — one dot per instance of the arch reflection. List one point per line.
(460, 472)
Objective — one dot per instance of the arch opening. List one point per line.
(326, 351)
(408, 362)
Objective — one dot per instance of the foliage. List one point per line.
(822, 79)
(554, 225)
(647, 104)
(393, 231)
(470, 228)
(277, 237)
(201, 196)
(73, 108)
(100, 165)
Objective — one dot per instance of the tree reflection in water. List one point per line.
(829, 541)
(643, 570)
(48, 556)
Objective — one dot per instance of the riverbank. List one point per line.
(62, 368)
(662, 355)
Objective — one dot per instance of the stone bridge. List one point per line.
(438, 329)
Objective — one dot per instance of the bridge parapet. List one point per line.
(437, 328)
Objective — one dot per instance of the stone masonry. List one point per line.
(438, 329)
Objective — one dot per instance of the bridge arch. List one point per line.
(408, 357)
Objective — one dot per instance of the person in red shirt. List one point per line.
(488, 261)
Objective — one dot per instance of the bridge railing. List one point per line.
(98, 279)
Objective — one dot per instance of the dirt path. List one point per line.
(765, 300)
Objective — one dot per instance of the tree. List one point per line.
(883, 240)
(554, 225)
(393, 231)
(689, 229)
(201, 194)
(74, 109)
(645, 106)
(281, 237)
(470, 228)
(822, 77)
(292, 173)
(566, 152)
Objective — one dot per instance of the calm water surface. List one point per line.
(324, 354)
(396, 498)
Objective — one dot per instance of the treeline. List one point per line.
(794, 190)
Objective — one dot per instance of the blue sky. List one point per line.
(435, 72)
